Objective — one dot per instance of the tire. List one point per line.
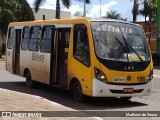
(125, 98)
(29, 81)
(77, 92)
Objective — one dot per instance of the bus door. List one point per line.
(62, 58)
(53, 59)
(16, 51)
(62, 46)
(9, 53)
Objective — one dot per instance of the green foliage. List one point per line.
(135, 9)
(24, 12)
(114, 15)
(13, 10)
(87, 1)
(37, 4)
(148, 10)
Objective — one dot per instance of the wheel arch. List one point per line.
(71, 84)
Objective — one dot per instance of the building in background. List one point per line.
(47, 14)
(152, 37)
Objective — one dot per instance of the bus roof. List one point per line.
(65, 21)
(112, 20)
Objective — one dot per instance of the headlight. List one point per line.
(100, 75)
(150, 76)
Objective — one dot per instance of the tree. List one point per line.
(25, 12)
(148, 11)
(114, 15)
(66, 3)
(13, 10)
(6, 14)
(84, 9)
(135, 10)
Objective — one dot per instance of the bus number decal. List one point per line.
(141, 78)
(37, 57)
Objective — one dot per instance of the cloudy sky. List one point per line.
(124, 7)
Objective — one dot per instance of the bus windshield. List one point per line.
(119, 41)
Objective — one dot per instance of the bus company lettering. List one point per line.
(37, 57)
(114, 29)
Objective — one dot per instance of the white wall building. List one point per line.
(50, 14)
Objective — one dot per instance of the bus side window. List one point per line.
(34, 38)
(81, 45)
(10, 38)
(46, 39)
(25, 38)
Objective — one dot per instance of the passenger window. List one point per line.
(10, 38)
(25, 38)
(46, 39)
(81, 45)
(34, 38)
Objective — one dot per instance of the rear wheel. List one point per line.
(77, 92)
(29, 81)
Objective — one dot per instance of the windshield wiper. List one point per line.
(122, 47)
(127, 46)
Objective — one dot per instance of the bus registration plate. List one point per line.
(128, 90)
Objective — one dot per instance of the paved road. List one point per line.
(15, 96)
(55, 95)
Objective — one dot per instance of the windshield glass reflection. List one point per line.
(119, 41)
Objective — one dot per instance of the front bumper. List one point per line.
(100, 89)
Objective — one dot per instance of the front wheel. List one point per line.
(77, 92)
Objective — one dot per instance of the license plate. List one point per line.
(118, 79)
(128, 90)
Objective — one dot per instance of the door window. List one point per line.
(10, 38)
(81, 45)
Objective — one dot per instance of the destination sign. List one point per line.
(112, 28)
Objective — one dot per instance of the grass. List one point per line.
(3, 58)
